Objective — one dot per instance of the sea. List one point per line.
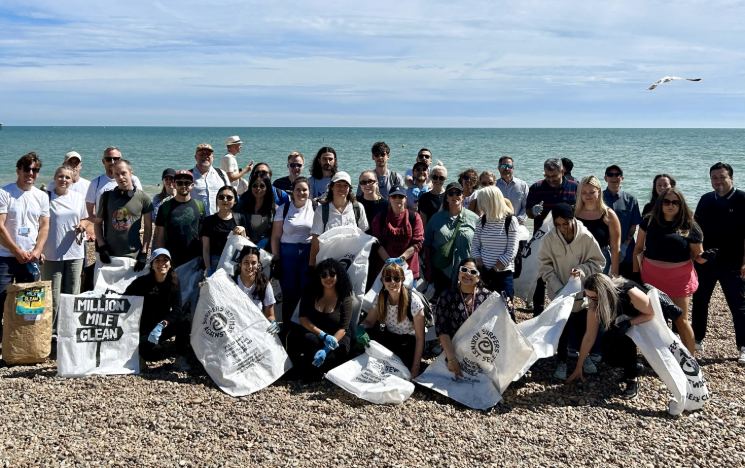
(686, 154)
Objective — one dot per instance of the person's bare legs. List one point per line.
(683, 325)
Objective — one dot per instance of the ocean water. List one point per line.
(686, 154)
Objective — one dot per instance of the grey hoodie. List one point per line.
(559, 258)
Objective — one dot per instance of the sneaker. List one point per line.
(561, 371)
(632, 390)
(596, 357)
(181, 364)
(699, 346)
(588, 367)
(437, 349)
(741, 359)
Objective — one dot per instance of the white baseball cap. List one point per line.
(341, 175)
(233, 140)
(73, 154)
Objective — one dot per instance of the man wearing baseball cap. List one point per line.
(74, 161)
(208, 180)
(229, 163)
(179, 221)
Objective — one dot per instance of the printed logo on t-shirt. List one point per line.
(122, 220)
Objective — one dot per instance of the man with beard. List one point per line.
(208, 180)
(421, 174)
(325, 165)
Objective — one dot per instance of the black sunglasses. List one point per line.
(225, 197)
(666, 202)
(328, 274)
(295, 165)
(397, 196)
(109, 159)
(613, 174)
(258, 186)
(454, 193)
(261, 173)
(34, 170)
(466, 178)
(392, 279)
(424, 156)
(438, 177)
(367, 182)
(183, 183)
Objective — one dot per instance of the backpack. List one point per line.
(520, 245)
(223, 175)
(384, 221)
(165, 208)
(429, 318)
(325, 213)
(286, 209)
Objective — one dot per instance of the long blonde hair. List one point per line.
(491, 202)
(378, 196)
(403, 298)
(607, 290)
(595, 182)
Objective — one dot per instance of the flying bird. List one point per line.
(671, 78)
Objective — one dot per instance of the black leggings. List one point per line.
(302, 347)
(403, 346)
(181, 330)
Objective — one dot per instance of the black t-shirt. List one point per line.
(647, 208)
(181, 230)
(283, 183)
(665, 245)
(217, 231)
(162, 301)
(722, 220)
(372, 208)
(429, 204)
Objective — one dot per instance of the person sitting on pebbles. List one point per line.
(252, 281)
(163, 315)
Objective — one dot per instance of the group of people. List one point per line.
(459, 235)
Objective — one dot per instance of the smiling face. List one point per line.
(161, 264)
(662, 184)
(258, 188)
(468, 181)
(63, 178)
(439, 176)
(368, 181)
(204, 160)
(76, 166)
(506, 168)
(169, 183)
(329, 282)
(455, 199)
(340, 189)
(28, 174)
(392, 277)
(565, 227)
(250, 265)
(420, 174)
(297, 170)
(183, 185)
(721, 181)
(468, 278)
(301, 192)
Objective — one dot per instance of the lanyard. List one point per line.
(473, 302)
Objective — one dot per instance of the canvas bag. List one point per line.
(350, 246)
(491, 351)
(116, 276)
(229, 261)
(27, 333)
(378, 376)
(229, 338)
(525, 284)
(670, 360)
(98, 334)
(544, 331)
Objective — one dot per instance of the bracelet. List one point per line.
(414, 367)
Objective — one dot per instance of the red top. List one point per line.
(398, 236)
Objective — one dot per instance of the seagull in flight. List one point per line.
(671, 78)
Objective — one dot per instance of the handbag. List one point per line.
(443, 256)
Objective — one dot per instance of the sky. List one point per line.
(529, 63)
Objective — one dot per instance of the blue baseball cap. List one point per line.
(157, 252)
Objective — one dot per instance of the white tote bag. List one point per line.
(525, 284)
(378, 376)
(116, 276)
(98, 334)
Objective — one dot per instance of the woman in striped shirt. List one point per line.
(494, 247)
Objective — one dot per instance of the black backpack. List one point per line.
(286, 209)
(520, 245)
(429, 318)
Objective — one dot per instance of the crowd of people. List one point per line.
(457, 233)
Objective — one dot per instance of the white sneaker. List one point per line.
(699, 346)
(561, 371)
(741, 359)
(588, 367)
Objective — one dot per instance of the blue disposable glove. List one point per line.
(624, 248)
(537, 209)
(209, 273)
(320, 357)
(273, 328)
(33, 268)
(329, 340)
(415, 191)
(396, 260)
(155, 334)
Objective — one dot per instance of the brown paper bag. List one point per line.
(27, 318)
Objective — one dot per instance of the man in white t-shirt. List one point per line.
(229, 163)
(208, 180)
(105, 181)
(74, 161)
(24, 225)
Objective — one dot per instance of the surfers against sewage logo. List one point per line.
(485, 346)
(217, 321)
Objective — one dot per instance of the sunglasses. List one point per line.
(666, 202)
(295, 165)
(225, 197)
(110, 159)
(471, 272)
(438, 178)
(397, 196)
(454, 193)
(183, 183)
(420, 169)
(466, 178)
(261, 173)
(487, 183)
(424, 156)
(328, 274)
(258, 186)
(506, 166)
(392, 279)
(33, 170)
(613, 174)
(381, 155)
(367, 182)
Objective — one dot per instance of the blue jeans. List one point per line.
(11, 270)
(294, 258)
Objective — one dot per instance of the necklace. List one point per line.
(465, 305)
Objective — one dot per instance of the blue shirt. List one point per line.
(627, 209)
(517, 193)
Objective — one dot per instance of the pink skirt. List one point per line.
(679, 281)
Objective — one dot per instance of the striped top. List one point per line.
(492, 244)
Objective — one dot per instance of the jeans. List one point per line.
(539, 297)
(734, 292)
(12, 271)
(65, 278)
(294, 259)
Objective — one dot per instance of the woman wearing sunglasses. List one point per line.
(402, 313)
(455, 305)
(609, 299)
(431, 202)
(291, 244)
(447, 239)
(258, 208)
(216, 227)
(322, 341)
(371, 198)
(252, 281)
(670, 239)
